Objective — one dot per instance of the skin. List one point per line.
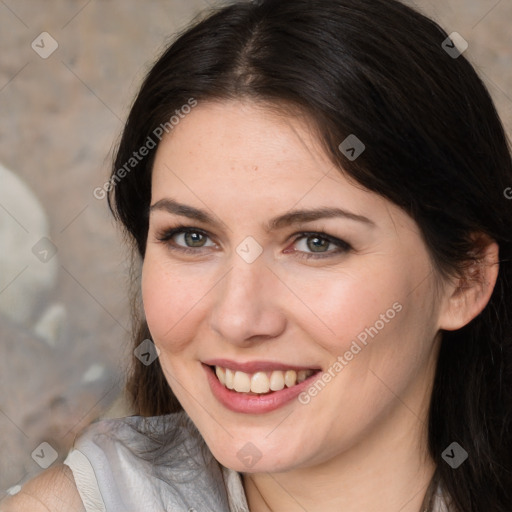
(53, 490)
(360, 443)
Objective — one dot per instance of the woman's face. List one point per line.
(352, 300)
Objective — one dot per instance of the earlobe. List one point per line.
(467, 297)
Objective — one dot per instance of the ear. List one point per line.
(467, 296)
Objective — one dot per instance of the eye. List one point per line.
(189, 239)
(192, 238)
(318, 244)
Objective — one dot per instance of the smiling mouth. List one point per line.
(260, 383)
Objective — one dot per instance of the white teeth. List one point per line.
(229, 378)
(290, 378)
(302, 375)
(242, 382)
(260, 382)
(221, 374)
(277, 381)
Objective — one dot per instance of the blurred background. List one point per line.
(69, 70)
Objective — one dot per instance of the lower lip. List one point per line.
(253, 404)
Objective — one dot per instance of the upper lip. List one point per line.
(255, 366)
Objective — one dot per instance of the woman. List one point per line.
(315, 191)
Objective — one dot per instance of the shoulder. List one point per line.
(53, 490)
(166, 457)
(101, 447)
(57, 488)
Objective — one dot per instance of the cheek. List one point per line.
(385, 339)
(169, 303)
(373, 318)
(344, 305)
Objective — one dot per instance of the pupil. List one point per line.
(193, 238)
(323, 243)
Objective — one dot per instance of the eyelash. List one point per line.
(343, 247)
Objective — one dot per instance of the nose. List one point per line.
(246, 307)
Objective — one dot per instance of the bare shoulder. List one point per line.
(54, 490)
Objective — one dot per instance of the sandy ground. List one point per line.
(60, 117)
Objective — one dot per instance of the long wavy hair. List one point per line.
(435, 147)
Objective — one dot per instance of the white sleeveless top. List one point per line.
(155, 464)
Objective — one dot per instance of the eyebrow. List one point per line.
(279, 222)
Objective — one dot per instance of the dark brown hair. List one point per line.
(435, 147)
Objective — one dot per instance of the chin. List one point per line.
(255, 462)
(252, 453)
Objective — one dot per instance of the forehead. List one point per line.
(242, 143)
(246, 165)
